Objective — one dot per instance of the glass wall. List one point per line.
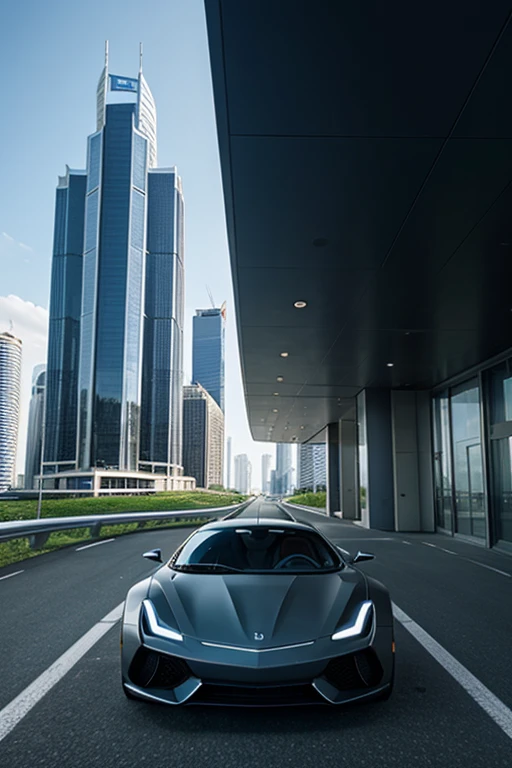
(468, 479)
(499, 381)
(442, 463)
(460, 500)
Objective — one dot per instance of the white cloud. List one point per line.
(30, 324)
(25, 247)
(8, 237)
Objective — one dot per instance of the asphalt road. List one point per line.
(430, 720)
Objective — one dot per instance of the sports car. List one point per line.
(257, 612)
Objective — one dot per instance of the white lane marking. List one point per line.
(490, 703)
(11, 574)
(442, 549)
(16, 710)
(368, 538)
(489, 567)
(96, 544)
(407, 542)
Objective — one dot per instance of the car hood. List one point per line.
(235, 609)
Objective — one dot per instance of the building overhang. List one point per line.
(366, 156)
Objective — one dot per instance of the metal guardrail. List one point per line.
(37, 531)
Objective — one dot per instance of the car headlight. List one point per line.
(356, 627)
(155, 627)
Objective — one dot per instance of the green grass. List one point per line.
(318, 499)
(19, 549)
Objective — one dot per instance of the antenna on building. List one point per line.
(211, 297)
(140, 57)
(106, 54)
(11, 326)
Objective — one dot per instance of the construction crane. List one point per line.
(211, 297)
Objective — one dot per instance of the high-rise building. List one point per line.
(208, 351)
(10, 387)
(311, 466)
(115, 361)
(243, 471)
(35, 426)
(228, 463)
(266, 461)
(284, 469)
(203, 436)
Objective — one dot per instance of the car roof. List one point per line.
(256, 522)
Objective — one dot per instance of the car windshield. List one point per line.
(255, 549)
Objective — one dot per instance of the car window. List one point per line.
(256, 549)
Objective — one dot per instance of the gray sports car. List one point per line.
(257, 612)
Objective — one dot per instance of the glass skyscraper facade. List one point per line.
(64, 321)
(10, 386)
(203, 437)
(35, 427)
(208, 351)
(114, 386)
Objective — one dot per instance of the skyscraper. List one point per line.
(208, 351)
(284, 469)
(10, 386)
(114, 382)
(203, 436)
(311, 466)
(35, 426)
(228, 463)
(242, 473)
(266, 461)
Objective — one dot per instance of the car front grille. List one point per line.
(257, 696)
(353, 671)
(150, 669)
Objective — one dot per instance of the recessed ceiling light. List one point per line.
(300, 304)
(302, 426)
(320, 242)
(284, 354)
(262, 419)
(390, 365)
(275, 394)
(275, 410)
(280, 378)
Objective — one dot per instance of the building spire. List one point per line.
(140, 57)
(106, 55)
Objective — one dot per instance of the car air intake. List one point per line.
(353, 671)
(150, 669)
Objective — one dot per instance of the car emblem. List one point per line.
(259, 636)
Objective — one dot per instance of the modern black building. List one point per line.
(367, 171)
(35, 427)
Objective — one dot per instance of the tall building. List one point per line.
(284, 469)
(115, 361)
(203, 437)
(10, 387)
(266, 461)
(35, 426)
(208, 351)
(243, 471)
(228, 463)
(311, 466)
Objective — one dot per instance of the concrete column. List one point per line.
(375, 447)
(412, 461)
(348, 449)
(333, 468)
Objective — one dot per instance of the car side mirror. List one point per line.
(154, 554)
(361, 557)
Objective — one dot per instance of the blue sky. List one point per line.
(52, 57)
